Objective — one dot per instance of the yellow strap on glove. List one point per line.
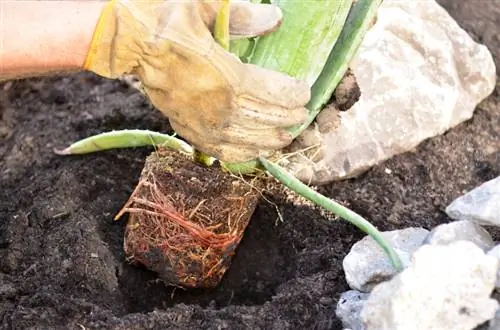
(225, 108)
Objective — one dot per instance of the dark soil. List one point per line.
(62, 264)
(187, 219)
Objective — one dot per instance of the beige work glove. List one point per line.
(227, 109)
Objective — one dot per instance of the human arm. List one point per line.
(45, 37)
(224, 108)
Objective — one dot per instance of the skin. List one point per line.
(39, 38)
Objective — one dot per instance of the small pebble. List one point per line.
(7, 291)
(325, 301)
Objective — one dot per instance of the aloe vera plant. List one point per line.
(316, 42)
(300, 47)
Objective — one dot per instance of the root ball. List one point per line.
(186, 220)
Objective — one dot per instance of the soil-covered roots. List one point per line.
(186, 220)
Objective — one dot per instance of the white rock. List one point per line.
(367, 264)
(461, 231)
(349, 309)
(420, 74)
(445, 287)
(481, 205)
(495, 252)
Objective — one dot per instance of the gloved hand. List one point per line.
(227, 109)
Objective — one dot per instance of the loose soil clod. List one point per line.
(347, 92)
(344, 97)
(186, 220)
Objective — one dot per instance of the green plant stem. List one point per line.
(129, 138)
(304, 40)
(346, 44)
(358, 22)
(221, 29)
(303, 190)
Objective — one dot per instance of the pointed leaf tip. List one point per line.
(62, 152)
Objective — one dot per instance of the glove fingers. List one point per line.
(222, 151)
(250, 20)
(272, 87)
(230, 153)
(236, 144)
(262, 139)
(253, 111)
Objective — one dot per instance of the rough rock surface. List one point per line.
(461, 231)
(366, 265)
(445, 287)
(495, 252)
(349, 309)
(420, 74)
(481, 205)
(495, 323)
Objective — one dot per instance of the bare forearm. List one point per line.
(44, 37)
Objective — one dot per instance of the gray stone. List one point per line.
(420, 74)
(367, 264)
(461, 231)
(349, 309)
(481, 205)
(495, 252)
(495, 323)
(445, 287)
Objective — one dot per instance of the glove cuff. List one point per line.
(96, 53)
(117, 44)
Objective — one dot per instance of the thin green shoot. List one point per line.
(305, 191)
(128, 138)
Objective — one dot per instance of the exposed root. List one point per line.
(264, 181)
(181, 225)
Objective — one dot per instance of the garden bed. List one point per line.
(62, 262)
